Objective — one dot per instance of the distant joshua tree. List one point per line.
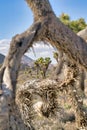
(42, 65)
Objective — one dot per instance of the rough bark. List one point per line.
(46, 27)
(59, 65)
(81, 79)
(58, 34)
(64, 60)
(19, 45)
(9, 70)
(76, 95)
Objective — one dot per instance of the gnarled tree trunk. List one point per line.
(46, 27)
(59, 65)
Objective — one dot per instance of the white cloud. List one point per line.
(42, 45)
(4, 41)
(4, 46)
(40, 49)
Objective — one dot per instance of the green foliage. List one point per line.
(75, 25)
(65, 18)
(42, 65)
(0, 65)
(55, 55)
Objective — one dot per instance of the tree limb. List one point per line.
(58, 34)
(19, 45)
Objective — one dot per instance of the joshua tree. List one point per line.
(46, 27)
(75, 25)
(42, 65)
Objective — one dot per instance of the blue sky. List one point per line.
(15, 16)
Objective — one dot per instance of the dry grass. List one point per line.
(43, 113)
(33, 95)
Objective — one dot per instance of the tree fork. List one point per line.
(58, 34)
(54, 31)
(47, 27)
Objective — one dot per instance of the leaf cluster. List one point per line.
(75, 25)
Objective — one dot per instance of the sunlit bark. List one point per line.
(46, 27)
